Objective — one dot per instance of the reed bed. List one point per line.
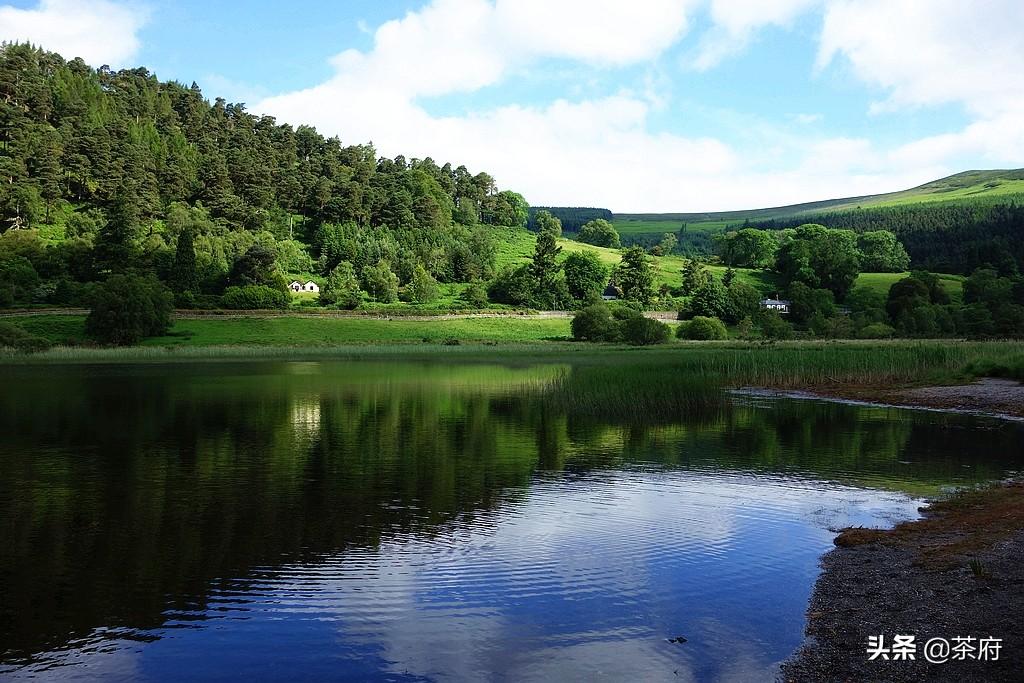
(788, 365)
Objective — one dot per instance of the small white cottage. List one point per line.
(309, 286)
(295, 286)
(780, 305)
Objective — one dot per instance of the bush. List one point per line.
(16, 338)
(514, 286)
(128, 308)
(475, 295)
(641, 331)
(774, 327)
(702, 328)
(253, 297)
(595, 323)
(876, 331)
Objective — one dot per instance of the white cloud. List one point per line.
(806, 119)
(936, 52)
(736, 21)
(98, 31)
(601, 149)
(927, 52)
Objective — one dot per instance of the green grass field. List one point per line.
(319, 331)
(881, 282)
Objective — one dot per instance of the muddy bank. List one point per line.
(999, 397)
(959, 571)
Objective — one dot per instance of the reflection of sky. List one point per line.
(584, 579)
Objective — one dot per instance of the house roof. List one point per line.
(611, 290)
(294, 282)
(310, 282)
(776, 302)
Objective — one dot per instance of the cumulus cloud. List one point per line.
(927, 52)
(98, 31)
(936, 52)
(604, 150)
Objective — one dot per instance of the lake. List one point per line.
(432, 521)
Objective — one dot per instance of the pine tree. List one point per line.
(184, 276)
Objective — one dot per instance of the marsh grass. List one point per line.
(637, 393)
(789, 365)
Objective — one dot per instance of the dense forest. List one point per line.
(948, 237)
(111, 171)
(572, 218)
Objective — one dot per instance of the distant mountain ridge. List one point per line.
(967, 185)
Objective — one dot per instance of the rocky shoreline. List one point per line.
(957, 572)
(996, 397)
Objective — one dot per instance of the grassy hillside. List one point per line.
(968, 186)
(516, 247)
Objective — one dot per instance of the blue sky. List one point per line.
(661, 105)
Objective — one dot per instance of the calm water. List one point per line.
(410, 521)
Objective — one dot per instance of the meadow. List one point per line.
(318, 331)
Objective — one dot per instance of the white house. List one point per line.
(310, 286)
(780, 305)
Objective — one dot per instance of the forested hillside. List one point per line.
(946, 237)
(105, 171)
(953, 224)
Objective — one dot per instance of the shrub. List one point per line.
(641, 331)
(475, 295)
(774, 327)
(16, 338)
(514, 286)
(252, 297)
(702, 328)
(128, 308)
(595, 323)
(876, 331)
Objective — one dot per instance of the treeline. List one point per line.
(572, 217)
(817, 269)
(104, 171)
(948, 237)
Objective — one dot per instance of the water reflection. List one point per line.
(428, 521)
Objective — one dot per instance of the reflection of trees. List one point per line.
(120, 488)
(117, 491)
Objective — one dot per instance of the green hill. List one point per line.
(969, 186)
(951, 225)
